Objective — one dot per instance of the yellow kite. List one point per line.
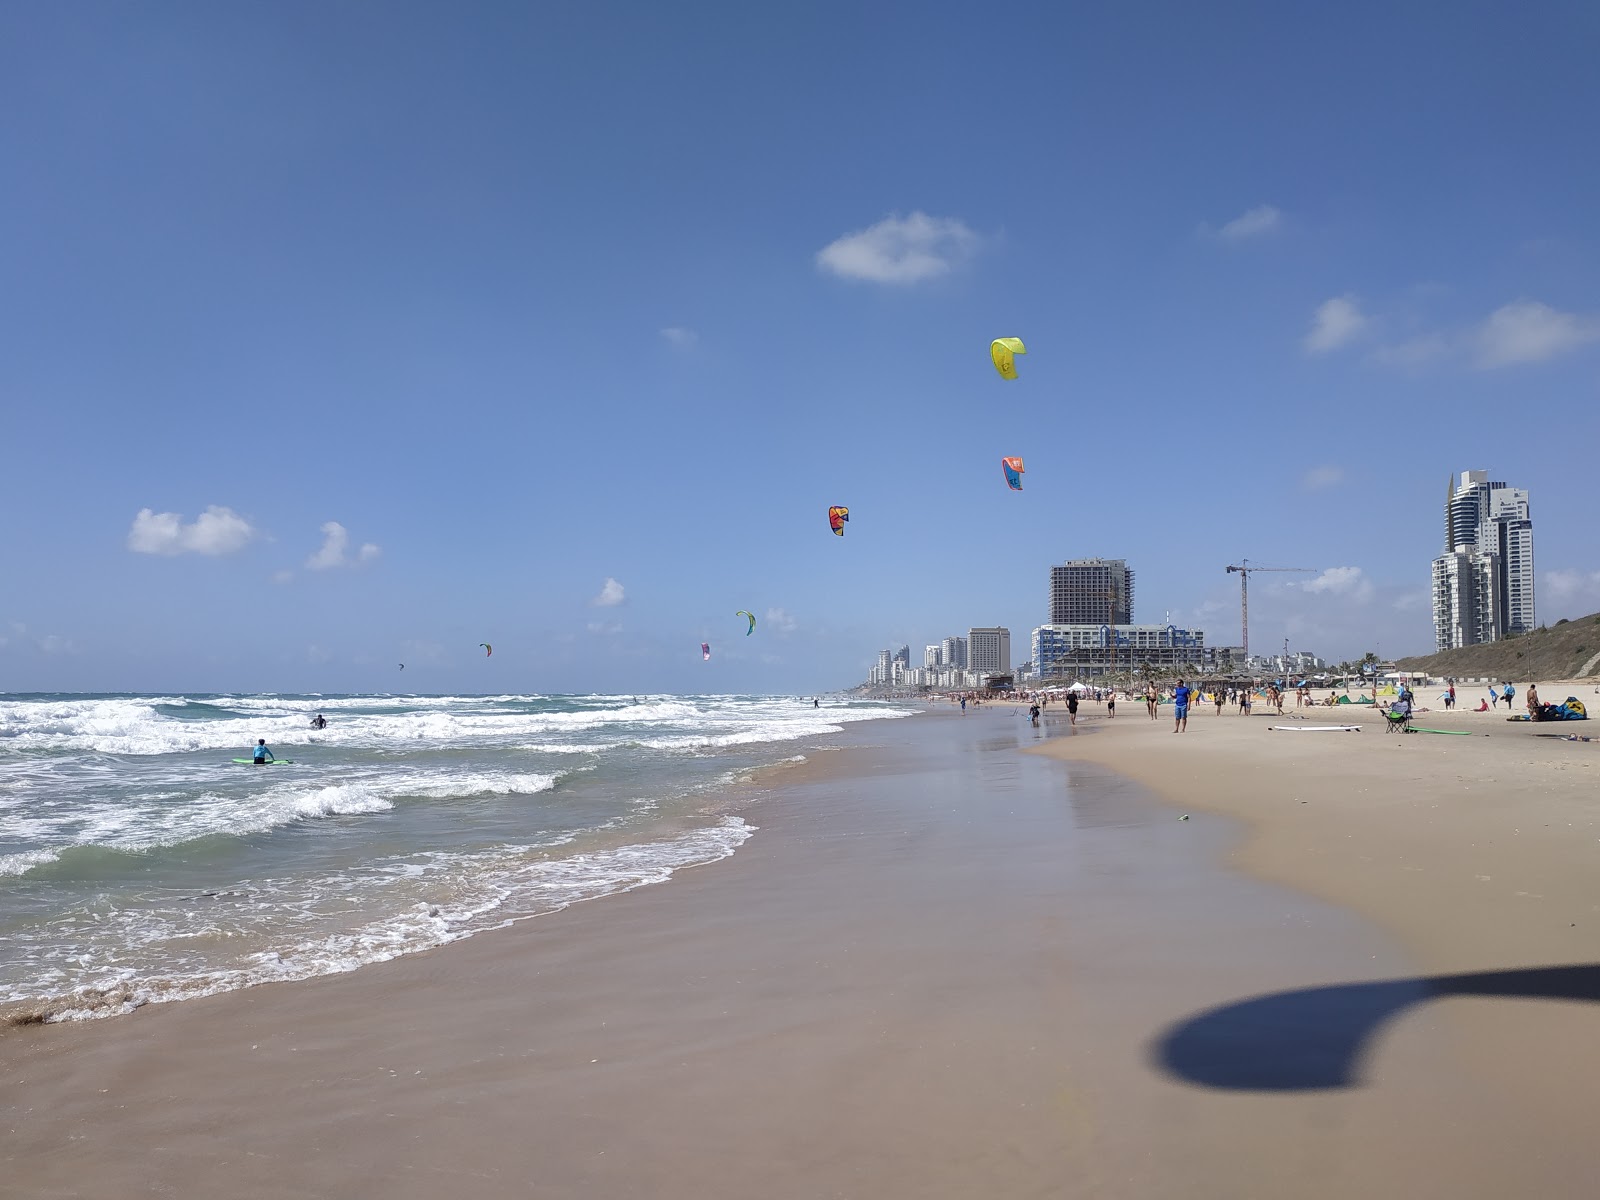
(1002, 350)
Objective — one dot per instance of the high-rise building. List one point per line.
(955, 652)
(902, 656)
(933, 656)
(989, 650)
(1483, 582)
(1091, 591)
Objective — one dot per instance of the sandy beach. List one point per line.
(943, 967)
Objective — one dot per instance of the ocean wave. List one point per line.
(137, 726)
(476, 893)
(134, 825)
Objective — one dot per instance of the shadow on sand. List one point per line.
(1314, 1038)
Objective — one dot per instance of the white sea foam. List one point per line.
(19, 864)
(138, 822)
(401, 824)
(478, 893)
(133, 725)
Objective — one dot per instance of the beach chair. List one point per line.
(1397, 718)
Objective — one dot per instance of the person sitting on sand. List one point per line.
(1483, 705)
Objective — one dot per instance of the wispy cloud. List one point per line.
(215, 531)
(680, 336)
(1569, 593)
(605, 627)
(611, 594)
(900, 250)
(1255, 222)
(1515, 334)
(1336, 323)
(1321, 477)
(1349, 582)
(780, 621)
(335, 550)
(1526, 331)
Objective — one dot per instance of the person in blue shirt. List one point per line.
(262, 755)
(1180, 707)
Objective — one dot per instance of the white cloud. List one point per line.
(779, 621)
(1337, 321)
(334, 551)
(1568, 594)
(1350, 582)
(1321, 477)
(611, 595)
(900, 249)
(1526, 331)
(215, 531)
(1262, 219)
(680, 336)
(605, 626)
(54, 644)
(283, 576)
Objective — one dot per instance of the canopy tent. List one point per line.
(1078, 687)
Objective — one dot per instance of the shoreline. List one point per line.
(940, 968)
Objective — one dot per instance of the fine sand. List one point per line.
(941, 968)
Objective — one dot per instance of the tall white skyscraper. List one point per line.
(955, 652)
(989, 649)
(1483, 582)
(933, 656)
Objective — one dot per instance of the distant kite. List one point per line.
(487, 649)
(705, 651)
(1001, 351)
(752, 619)
(837, 516)
(402, 666)
(1013, 469)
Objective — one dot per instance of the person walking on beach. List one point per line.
(1111, 704)
(1533, 702)
(1033, 712)
(1072, 708)
(1150, 700)
(1506, 694)
(1180, 707)
(262, 755)
(963, 704)
(1218, 695)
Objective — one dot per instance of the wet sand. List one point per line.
(942, 968)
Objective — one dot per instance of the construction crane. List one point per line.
(1244, 568)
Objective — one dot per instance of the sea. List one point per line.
(140, 864)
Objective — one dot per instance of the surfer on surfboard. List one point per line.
(262, 754)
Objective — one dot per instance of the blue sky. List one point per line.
(343, 335)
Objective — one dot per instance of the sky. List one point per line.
(340, 336)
